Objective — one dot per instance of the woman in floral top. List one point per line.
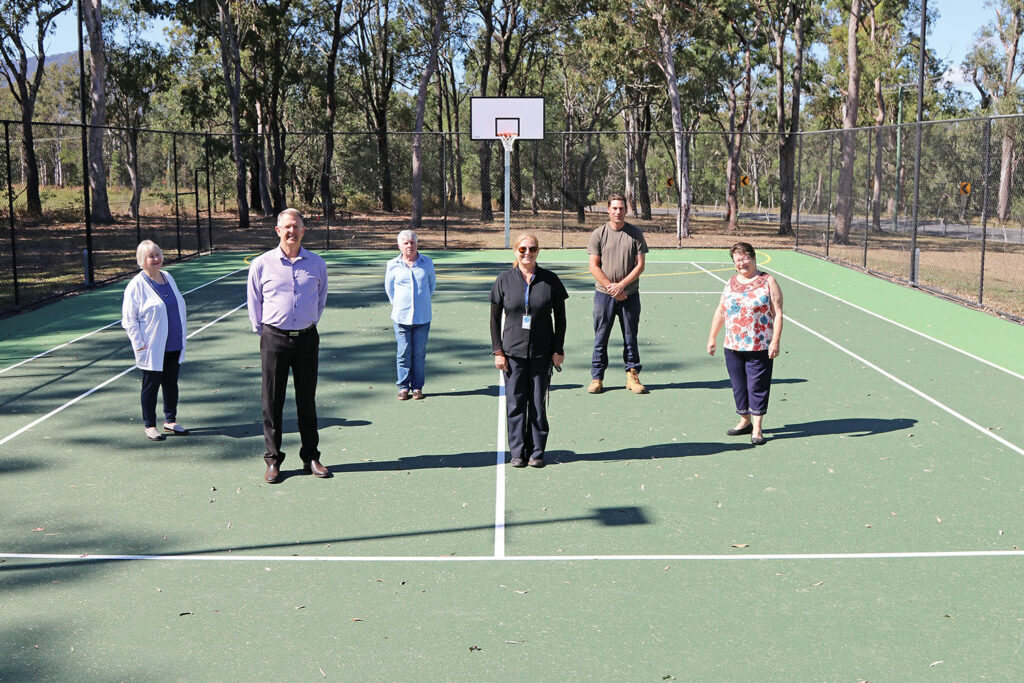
(751, 312)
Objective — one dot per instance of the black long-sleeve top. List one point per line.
(546, 335)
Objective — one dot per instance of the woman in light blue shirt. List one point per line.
(409, 283)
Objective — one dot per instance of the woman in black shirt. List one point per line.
(531, 343)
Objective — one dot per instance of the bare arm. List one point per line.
(775, 292)
(717, 322)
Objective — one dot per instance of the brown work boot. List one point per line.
(596, 386)
(633, 381)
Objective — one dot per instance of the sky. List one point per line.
(951, 35)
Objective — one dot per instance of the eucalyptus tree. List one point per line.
(848, 140)
(996, 68)
(379, 45)
(431, 26)
(137, 71)
(20, 21)
(92, 11)
(785, 22)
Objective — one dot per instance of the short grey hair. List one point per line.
(408, 234)
(295, 213)
(145, 248)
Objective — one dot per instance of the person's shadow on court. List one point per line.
(849, 426)
(713, 384)
(249, 429)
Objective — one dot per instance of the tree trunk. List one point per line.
(437, 11)
(33, 202)
(132, 153)
(100, 210)
(848, 142)
(231, 66)
(668, 67)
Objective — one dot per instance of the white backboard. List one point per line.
(491, 116)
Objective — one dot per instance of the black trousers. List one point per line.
(166, 379)
(279, 354)
(526, 386)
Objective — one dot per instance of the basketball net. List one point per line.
(508, 140)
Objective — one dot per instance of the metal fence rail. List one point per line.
(180, 190)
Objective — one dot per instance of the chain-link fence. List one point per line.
(186, 192)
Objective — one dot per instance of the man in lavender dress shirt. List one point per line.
(287, 293)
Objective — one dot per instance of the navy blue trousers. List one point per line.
(153, 381)
(751, 375)
(526, 387)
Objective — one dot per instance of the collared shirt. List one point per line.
(290, 295)
(547, 314)
(409, 289)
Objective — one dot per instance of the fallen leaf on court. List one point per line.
(474, 648)
(820, 583)
(213, 488)
(948, 616)
(522, 592)
(515, 642)
(39, 528)
(740, 545)
(322, 673)
(667, 567)
(300, 607)
(941, 661)
(868, 525)
(355, 619)
(184, 613)
(939, 520)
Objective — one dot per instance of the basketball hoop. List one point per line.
(508, 140)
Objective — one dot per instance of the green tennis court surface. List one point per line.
(875, 537)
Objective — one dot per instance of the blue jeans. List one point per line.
(411, 359)
(606, 310)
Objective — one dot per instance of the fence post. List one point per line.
(444, 185)
(867, 204)
(986, 167)
(799, 187)
(10, 210)
(209, 198)
(917, 199)
(561, 195)
(199, 226)
(831, 165)
(177, 215)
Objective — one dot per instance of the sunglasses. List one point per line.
(532, 250)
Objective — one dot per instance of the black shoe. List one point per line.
(758, 440)
(536, 462)
(749, 429)
(517, 462)
(273, 474)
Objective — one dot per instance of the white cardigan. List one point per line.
(144, 318)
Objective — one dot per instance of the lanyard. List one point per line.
(526, 294)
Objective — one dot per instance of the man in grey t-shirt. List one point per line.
(617, 257)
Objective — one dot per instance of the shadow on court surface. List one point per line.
(711, 384)
(612, 516)
(246, 430)
(849, 426)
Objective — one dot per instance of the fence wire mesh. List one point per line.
(186, 192)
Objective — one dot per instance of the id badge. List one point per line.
(526, 322)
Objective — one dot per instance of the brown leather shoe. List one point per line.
(273, 474)
(316, 469)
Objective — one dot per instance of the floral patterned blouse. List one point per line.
(748, 314)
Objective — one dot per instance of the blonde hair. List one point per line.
(145, 248)
(524, 236)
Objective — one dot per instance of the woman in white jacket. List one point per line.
(153, 314)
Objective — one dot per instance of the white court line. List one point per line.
(96, 388)
(905, 385)
(116, 322)
(900, 325)
(235, 557)
(499, 493)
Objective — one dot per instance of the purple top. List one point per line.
(288, 295)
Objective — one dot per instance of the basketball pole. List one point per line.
(508, 187)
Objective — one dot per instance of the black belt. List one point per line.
(290, 333)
